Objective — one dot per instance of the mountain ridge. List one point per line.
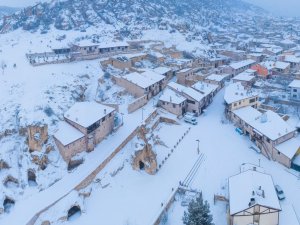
(81, 14)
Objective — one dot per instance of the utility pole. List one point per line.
(198, 149)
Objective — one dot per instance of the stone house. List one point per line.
(267, 130)
(126, 61)
(294, 87)
(173, 102)
(237, 96)
(218, 79)
(246, 79)
(238, 67)
(184, 75)
(86, 124)
(165, 71)
(293, 61)
(208, 90)
(195, 100)
(147, 83)
(253, 199)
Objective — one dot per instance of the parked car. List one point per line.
(255, 149)
(239, 130)
(190, 119)
(280, 193)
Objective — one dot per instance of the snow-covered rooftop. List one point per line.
(295, 84)
(144, 79)
(161, 70)
(241, 64)
(269, 124)
(67, 134)
(184, 70)
(217, 77)
(205, 88)
(244, 77)
(281, 65)
(87, 113)
(186, 90)
(244, 185)
(236, 91)
(289, 148)
(171, 96)
(292, 59)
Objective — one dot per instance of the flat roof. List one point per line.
(269, 123)
(67, 134)
(87, 113)
(251, 184)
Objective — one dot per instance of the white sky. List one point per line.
(279, 7)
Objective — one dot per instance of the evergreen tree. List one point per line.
(198, 213)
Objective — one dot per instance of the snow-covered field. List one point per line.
(131, 197)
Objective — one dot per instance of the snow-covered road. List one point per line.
(135, 197)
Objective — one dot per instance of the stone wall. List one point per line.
(138, 103)
(88, 180)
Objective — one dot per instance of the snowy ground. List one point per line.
(131, 197)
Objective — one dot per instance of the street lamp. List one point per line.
(122, 118)
(198, 149)
(142, 114)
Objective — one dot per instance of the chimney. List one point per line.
(264, 118)
(104, 111)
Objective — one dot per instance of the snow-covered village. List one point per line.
(153, 112)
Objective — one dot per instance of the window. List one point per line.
(174, 106)
(294, 90)
(294, 96)
(234, 104)
(252, 100)
(190, 101)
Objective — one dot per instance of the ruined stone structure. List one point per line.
(145, 159)
(37, 136)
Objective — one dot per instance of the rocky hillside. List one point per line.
(4, 10)
(126, 15)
